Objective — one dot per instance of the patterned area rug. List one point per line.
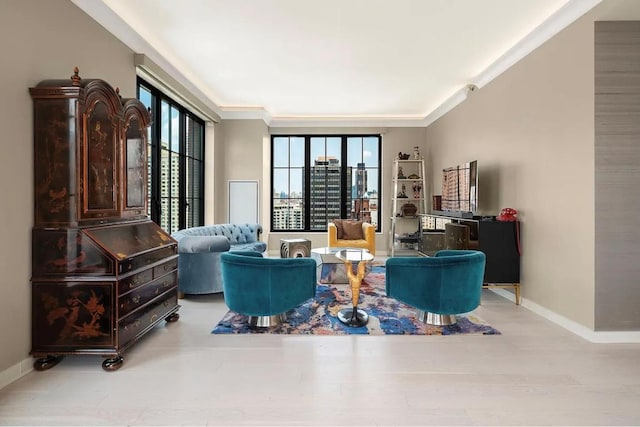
(387, 316)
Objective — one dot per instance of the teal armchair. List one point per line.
(266, 288)
(441, 286)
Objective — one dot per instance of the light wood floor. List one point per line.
(535, 373)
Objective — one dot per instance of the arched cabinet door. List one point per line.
(78, 131)
(100, 136)
(134, 157)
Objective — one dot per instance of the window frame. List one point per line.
(346, 187)
(185, 198)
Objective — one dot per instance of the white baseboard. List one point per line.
(602, 337)
(505, 294)
(16, 372)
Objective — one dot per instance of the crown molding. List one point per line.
(346, 121)
(150, 71)
(449, 104)
(105, 16)
(245, 113)
(565, 16)
(99, 11)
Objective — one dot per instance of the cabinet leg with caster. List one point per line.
(47, 362)
(173, 317)
(113, 364)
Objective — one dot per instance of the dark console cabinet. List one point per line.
(500, 243)
(103, 274)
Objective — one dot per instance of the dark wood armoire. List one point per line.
(103, 274)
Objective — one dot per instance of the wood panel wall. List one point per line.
(617, 175)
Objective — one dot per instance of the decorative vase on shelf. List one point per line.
(416, 153)
(409, 209)
(416, 187)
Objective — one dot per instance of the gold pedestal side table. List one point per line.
(354, 316)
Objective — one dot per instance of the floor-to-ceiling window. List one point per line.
(176, 161)
(318, 178)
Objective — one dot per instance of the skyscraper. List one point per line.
(326, 191)
(361, 181)
(360, 208)
(288, 216)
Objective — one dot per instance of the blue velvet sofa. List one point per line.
(199, 250)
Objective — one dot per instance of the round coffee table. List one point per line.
(354, 316)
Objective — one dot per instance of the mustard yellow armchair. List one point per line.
(352, 234)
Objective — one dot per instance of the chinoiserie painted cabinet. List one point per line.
(103, 274)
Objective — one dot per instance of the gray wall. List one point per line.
(617, 175)
(40, 40)
(541, 150)
(240, 155)
(531, 130)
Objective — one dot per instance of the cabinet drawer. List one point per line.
(135, 281)
(142, 295)
(146, 259)
(165, 268)
(136, 324)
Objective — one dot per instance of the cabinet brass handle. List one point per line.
(135, 282)
(134, 325)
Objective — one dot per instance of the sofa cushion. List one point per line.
(254, 247)
(339, 229)
(352, 230)
(199, 244)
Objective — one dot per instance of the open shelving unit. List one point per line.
(408, 202)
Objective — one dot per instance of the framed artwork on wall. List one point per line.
(243, 202)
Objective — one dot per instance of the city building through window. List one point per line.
(316, 179)
(175, 150)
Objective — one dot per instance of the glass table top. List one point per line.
(354, 255)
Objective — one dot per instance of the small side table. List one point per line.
(295, 248)
(354, 316)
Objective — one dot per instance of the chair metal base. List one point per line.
(267, 321)
(436, 319)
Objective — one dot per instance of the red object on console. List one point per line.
(508, 214)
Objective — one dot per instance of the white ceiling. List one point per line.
(334, 60)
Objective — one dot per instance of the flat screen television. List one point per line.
(460, 189)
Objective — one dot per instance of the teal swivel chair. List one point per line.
(264, 289)
(441, 286)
